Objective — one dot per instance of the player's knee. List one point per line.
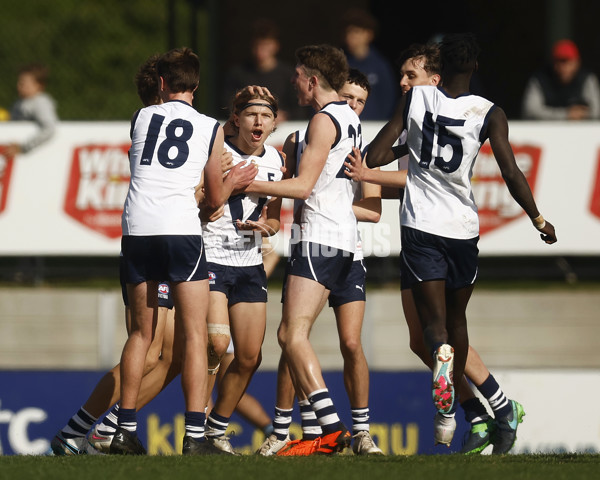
(249, 362)
(351, 347)
(214, 355)
(218, 341)
(281, 337)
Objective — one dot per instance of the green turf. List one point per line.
(443, 467)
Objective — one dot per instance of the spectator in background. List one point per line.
(34, 105)
(264, 68)
(564, 90)
(359, 30)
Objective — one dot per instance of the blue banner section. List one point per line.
(35, 405)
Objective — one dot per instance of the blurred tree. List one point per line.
(93, 50)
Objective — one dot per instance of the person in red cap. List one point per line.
(564, 90)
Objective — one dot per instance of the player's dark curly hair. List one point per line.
(356, 77)
(146, 81)
(459, 52)
(326, 62)
(430, 53)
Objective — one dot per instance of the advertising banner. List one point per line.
(66, 197)
(35, 405)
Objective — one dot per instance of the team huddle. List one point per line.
(202, 201)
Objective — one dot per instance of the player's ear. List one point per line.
(435, 79)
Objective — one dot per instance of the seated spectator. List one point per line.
(564, 90)
(34, 105)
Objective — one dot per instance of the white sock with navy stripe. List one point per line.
(360, 420)
(310, 425)
(216, 425)
(282, 422)
(109, 423)
(79, 425)
(325, 410)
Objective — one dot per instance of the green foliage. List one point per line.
(93, 49)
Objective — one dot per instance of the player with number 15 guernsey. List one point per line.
(172, 147)
(446, 127)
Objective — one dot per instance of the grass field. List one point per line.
(443, 467)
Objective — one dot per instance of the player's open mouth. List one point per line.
(257, 134)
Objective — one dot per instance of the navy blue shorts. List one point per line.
(164, 290)
(239, 284)
(428, 257)
(352, 288)
(321, 263)
(171, 258)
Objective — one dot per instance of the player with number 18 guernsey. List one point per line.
(176, 137)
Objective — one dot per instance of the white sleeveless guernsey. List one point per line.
(226, 245)
(170, 145)
(444, 138)
(327, 217)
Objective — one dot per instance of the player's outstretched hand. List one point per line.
(243, 174)
(259, 225)
(354, 165)
(548, 234)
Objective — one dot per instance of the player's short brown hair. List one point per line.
(430, 53)
(180, 68)
(326, 62)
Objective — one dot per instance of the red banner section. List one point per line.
(496, 206)
(595, 197)
(97, 187)
(6, 164)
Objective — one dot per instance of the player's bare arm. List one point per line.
(213, 175)
(356, 170)
(322, 134)
(513, 176)
(381, 149)
(368, 208)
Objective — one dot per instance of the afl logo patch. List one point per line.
(163, 288)
(211, 278)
